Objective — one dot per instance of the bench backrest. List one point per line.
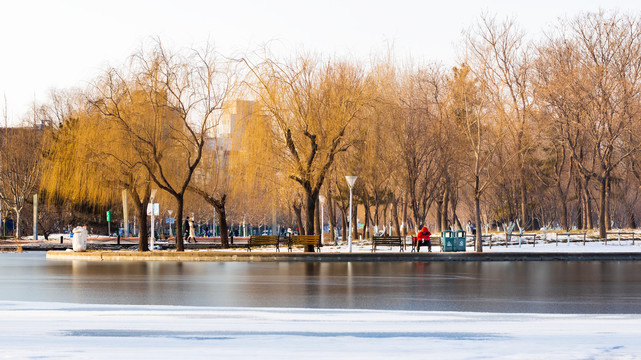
(306, 238)
(263, 238)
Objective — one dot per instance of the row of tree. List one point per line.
(541, 131)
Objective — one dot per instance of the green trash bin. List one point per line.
(448, 241)
(461, 240)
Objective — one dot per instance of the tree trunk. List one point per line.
(222, 221)
(479, 237)
(588, 206)
(367, 215)
(354, 222)
(143, 235)
(317, 222)
(17, 225)
(608, 222)
(331, 210)
(453, 205)
(445, 217)
(525, 221)
(299, 217)
(397, 225)
(439, 215)
(564, 207)
(580, 203)
(310, 210)
(344, 223)
(180, 241)
(405, 215)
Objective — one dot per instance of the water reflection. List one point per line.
(583, 287)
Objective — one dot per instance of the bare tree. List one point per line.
(184, 93)
(311, 108)
(601, 115)
(20, 166)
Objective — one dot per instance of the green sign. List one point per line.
(108, 215)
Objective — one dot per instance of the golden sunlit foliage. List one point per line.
(527, 131)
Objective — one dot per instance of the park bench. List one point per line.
(304, 240)
(387, 241)
(262, 240)
(434, 240)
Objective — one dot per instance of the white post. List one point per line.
(35, 217)
(170, 231)
(350, 181)
(321, 198)
(153, 220)
(350, 219)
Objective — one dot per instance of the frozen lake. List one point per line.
(520, 287)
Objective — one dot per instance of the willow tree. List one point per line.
(181, 93)
(90, 161)
(311, 108)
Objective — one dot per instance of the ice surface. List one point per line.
(78, 331)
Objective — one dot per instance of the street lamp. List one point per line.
(350, 181)
(153, 235)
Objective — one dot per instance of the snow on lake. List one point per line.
(78, 331)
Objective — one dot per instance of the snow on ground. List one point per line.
(79, 331)
(551, 244)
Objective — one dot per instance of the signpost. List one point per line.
(108, 223)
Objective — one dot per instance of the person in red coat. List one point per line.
(423, 238)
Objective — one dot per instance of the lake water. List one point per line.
(536, 287)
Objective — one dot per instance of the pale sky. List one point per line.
(49, 44)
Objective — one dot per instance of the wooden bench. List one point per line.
(434, 241)
(304, 240)
(387, 241)
(262, 240)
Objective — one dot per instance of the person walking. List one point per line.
(423, 238)
(186, 229)
(192, 230)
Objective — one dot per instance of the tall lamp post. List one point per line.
(350, 181)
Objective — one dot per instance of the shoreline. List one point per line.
(238, 256)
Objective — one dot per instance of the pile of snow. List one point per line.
(78, 331)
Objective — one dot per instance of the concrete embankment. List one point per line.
(228, 256)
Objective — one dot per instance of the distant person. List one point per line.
(192, 231)
(423, 238)
(186, 229)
